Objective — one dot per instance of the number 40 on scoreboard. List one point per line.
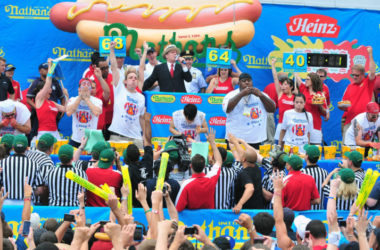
(295, 62)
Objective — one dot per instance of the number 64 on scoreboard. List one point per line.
(295, 62)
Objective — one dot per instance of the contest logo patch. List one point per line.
(161, 119)
(130, 108)
(27, 12)
(163, 98)
(215, 99)
(191, 99)
(84, 116)
(299, 129)
(313, 25)
(255, 113)
(217, 121)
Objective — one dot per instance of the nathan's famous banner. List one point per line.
(215, 222)
(36, 30)
(162, 105)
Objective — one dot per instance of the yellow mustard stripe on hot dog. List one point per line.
(151, 10)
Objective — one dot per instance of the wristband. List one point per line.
(124, 198)
(27, 198)
(148, 210)
(332, 198)
(82, 207)
(154, 211)
(334, 238)
(252, 229)
(278, 193)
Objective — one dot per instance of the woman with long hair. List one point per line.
(296, 125)
(315, 104)
(284, 90)
(224, 83)
(47, 110)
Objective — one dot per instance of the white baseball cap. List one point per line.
(301, 222)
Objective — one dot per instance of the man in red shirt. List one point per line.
(101, 173)
(300, 191)
(9, 72)
(359, 92)
(198, 192)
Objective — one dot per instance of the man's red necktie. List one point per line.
(172, 70)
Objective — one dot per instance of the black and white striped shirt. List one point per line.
(15, 168)
(342, 204)
(319, 175)
(266, 181)
(43, 160)
(63, 191)
(84, 165)
(224, 190)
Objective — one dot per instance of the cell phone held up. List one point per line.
(138, 235)
(25, 228)
(69, 217)
(191, 230)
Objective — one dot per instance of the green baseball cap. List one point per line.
(66, 153)
(7, 140)
(294, 161)
(100, 146)
(312, 151)
(173, 154)
(278, 156)
(229, 159)
(47, 140)
(347, 175)
(355, 157)
(20, 142)
(106, 158)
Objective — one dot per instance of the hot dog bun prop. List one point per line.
(162, 172)
(87, 185)
(366, 188)
(127, 181)
(155, 20)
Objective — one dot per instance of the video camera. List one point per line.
(183, 153)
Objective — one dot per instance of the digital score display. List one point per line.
(326, 60)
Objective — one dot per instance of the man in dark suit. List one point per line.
(170, 75)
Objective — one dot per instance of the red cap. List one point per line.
(372, 108)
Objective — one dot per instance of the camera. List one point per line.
(69, 217)
(183, 153)
(191, 230)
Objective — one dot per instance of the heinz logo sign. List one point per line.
(192, 99)
(217, 121)
(313, 25)
(161, 119)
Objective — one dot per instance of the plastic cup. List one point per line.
(287, 148)
(296, 150)
(330, 152)
(344, 150)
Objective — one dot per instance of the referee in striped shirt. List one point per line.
(15, 169)
(353, 162)
(319, 174)
(62, 191)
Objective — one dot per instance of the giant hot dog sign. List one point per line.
(193, 25)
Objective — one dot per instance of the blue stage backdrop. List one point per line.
(30, 38)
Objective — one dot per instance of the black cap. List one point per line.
(187, 53)
(43, 66)
(245, 76)
(151, 50)
(9, 67)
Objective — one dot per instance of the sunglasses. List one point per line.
(104, 67)
(8, 115)
(320, 76)
(355, 75)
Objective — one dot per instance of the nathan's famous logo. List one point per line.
(163, 98)
(27, 12)
(217, 121)
(78, 55)
(215, 99)
(313, 25)
(190, 25)
(84, 116)
(191, 99)
(161, 119)
(254, 62)
(355, 54)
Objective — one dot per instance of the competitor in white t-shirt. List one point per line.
(85, 109)
(364, 127)
(246, 109)
(129, 106)
(189, 122)
(296, 125)
(14, 118)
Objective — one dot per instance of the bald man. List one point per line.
(248, 190)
